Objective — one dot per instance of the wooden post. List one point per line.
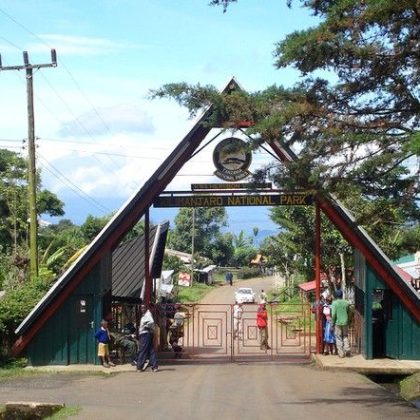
(318, 311)
(32, 181)
(147, 277)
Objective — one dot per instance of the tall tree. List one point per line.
(354, 116)
(207, 225)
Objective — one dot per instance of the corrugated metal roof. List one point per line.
(128, 263)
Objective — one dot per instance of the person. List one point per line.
(147, 354)
(237, 320)
(229, 277)
(262, 324)
(104, 338)
(340, 322)
(163, 324)
(176, 330)
(329, 337)
(263, 296)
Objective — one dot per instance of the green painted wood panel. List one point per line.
(68, 336)
(402, 331)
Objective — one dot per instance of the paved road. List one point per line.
(216, 392)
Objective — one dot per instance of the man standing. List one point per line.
(146, 335)
(263, 296)
(340, 321)
(229, 277)
(237, 320)
(262, 324)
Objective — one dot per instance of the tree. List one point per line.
(207, 225)
(292, 250)
(14, 216)
(93, 225)
(244, 251)
(354, 116)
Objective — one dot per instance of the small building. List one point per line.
(205, 275)
(410, 264)
(113, 286)
(388, 329)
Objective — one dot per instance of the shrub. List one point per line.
(14, 307)
(248, 273)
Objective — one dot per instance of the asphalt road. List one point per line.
(223, 391)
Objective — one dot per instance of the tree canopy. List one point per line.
(353, 118)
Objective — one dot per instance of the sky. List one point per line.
(99, 136)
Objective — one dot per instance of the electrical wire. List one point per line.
(58, 174)
(59, 96)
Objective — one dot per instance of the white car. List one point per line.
(245, 295)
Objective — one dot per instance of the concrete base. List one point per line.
(21, 410)
(376, 366)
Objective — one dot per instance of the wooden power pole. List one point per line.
(32, 180)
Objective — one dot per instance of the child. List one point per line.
(329, 338)
(103, 338)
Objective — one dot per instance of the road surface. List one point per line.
(226, 293)
(220, 391)
(215, 392)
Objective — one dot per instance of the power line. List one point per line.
(55, 91)
(78, 191)
(32, 178)
(95, 143)
(63, 64)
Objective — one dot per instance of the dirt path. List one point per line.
(226, 293)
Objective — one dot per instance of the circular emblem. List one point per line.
(232, 159)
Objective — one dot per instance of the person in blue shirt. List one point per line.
(103, 337)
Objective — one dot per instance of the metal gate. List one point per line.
(209, 333)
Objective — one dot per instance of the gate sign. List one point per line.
(232, 159)
(291, 199)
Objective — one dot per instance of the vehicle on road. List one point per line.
(245, 295)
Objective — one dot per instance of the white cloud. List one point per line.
(113, 119)
(80, 45)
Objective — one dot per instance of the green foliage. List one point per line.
(92, 226)
(221, 250)
(357, 135)
(194, 293)
(248, 273)
(59, 242)
(65, 413)
(207, 224)
(171, 262)
(15, 306)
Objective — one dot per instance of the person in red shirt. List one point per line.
(262, 324)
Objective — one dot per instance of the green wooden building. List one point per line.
(388, 329)
(67, 337)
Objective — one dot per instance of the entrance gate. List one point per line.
(209, 333)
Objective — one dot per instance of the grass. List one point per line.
(194, 293)
(293, 308)
(14, 368)
(65, 413)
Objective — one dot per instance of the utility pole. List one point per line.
(32, 181)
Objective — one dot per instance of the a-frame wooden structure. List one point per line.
(138, 206)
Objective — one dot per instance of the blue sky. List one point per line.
(100, 138)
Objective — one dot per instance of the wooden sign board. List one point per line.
(291, 199)
(232, 186)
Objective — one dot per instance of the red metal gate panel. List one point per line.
(208, 333)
